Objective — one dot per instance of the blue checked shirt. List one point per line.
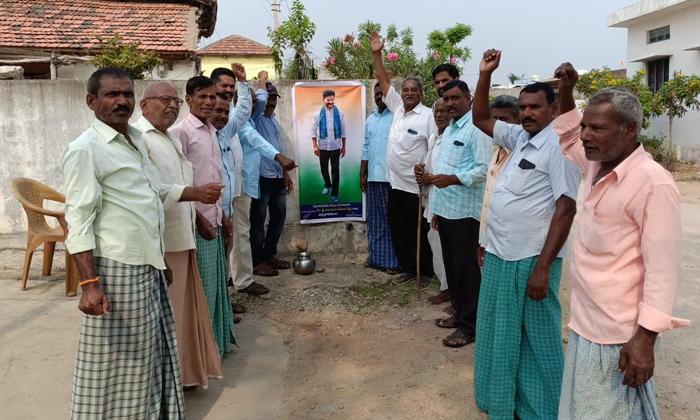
(270, 130)
(524, 198)
(466, 153)
(377, 131)
(239, 116)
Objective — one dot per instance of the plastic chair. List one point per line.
(31, 194)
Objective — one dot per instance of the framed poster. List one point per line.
(329, 127)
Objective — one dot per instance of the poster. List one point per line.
(323, 197)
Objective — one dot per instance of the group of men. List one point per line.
(500, 181)
(162, 219)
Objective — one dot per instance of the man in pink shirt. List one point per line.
(626, 262)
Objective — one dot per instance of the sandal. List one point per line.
(238, 309)
(236, 319)
(367, 265)
(457, 339)
(425, 280)
(403, 278)
(265, 270)
(279, 264)
(255, 289)
(450, 322)
(391, 271)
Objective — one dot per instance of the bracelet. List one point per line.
(96, 279)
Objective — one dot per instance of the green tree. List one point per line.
(676, 97)
(513, 77)
(590, 83)
(295, 33)
(445, 43)
(114, 52)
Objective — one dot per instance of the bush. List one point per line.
(656, 148)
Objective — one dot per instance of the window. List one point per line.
(657, 73)
(658, 35)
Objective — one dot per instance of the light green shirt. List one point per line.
(114, 198)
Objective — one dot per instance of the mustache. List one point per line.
(121, 108)
(525, 120)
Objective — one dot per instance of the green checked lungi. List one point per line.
(128, 366)
(211, 260)
(519, 357)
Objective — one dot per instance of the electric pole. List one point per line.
(275, 13)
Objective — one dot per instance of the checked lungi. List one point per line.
(128, 365)
(593, 389)
(381, 249)
(519, 356)
(211, 260)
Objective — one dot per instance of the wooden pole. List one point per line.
(420, 220)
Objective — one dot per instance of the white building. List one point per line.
(663, 37)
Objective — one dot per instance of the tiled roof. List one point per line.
(71, 24)
(235, 45)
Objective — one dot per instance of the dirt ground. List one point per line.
(357, 346)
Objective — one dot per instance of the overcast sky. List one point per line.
(535, 36)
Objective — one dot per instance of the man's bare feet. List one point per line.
(441, 297)
(449, 310)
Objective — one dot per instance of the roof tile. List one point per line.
(235, 45)
(72, 24)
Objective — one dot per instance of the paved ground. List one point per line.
(336, 345)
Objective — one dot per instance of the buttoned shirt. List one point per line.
(498, 162)
(270, 130)
(114, 198)
(431, 159)
(465, 153)
(252, 143)
(200, 146)
(523, 201)
(408, 141)
(377, 130)
(165, 152)
(237, 119)
(626, 259)
(330, 142)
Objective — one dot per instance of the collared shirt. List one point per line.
(498, 162)
(408, 141)
(465, 152)
(114, 198)
(431, 159)
(626, 259)
(200, 146)
(377, 130)
(251, 143)
(523, 201)
(237, 119)
(270, 130)
(165, 152)
(330, 142)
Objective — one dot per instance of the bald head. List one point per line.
(160, 105)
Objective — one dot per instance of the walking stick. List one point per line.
(420, 220)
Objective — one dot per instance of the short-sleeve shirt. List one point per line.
(524, 199)
(408, 141)
(377, 131)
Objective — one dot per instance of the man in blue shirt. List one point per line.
(373, 182)
(275, 185)
(456, 206)
(328, 135)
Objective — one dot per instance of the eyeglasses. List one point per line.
(167, 99)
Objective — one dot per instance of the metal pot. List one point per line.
(304, 264)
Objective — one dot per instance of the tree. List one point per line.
(513, 77)
(114, 52)
(596, 80)
(295, 33)
(445, 42)
(675, 98)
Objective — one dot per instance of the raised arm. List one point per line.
(377, 45)
(261, 96)
(480, 109)
(568, 124)
(568, 76)
(241, 114)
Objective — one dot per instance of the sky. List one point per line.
(535, 36)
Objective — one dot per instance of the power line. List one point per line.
(265, 7)
(42, 18)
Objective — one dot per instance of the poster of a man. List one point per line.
(328, 135)
(329, 120)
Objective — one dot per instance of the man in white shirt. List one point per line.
(328, 135)
(408, 145)
(199, 358)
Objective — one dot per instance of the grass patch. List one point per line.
(375, 294)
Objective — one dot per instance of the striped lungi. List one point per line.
(211, 260)
(592, 386)
(519, 356)
(381, 249)
(128, 365)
